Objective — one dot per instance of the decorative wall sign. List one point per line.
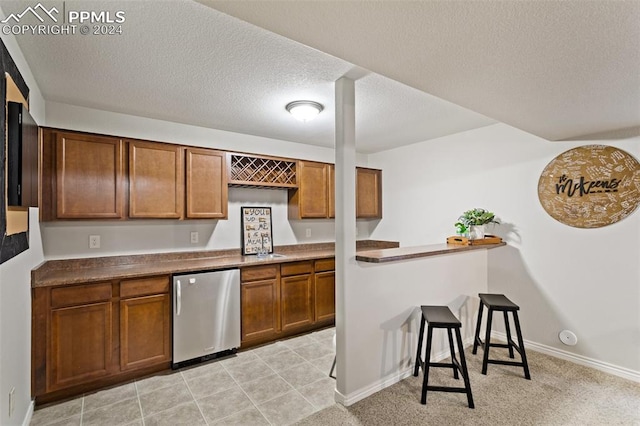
(590, 186)
(256, 230)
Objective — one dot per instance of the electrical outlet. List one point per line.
(94, 241)
(194, 238)
(307, 232)
(11, 404)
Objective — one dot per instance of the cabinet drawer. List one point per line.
(80, 294)
(258, 273)
(323, 265)
(144, 286)
(296, 268)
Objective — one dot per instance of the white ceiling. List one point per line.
(556, 70)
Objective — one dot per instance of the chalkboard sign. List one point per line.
(590, 186)
(256, 230)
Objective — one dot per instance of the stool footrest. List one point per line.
(446, 389)
(499, 361)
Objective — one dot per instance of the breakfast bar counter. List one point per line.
(404, 253)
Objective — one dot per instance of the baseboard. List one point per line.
(377, 386)
(29, 415)
(389, 380)
(615, 370)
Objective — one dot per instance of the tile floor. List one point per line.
(276, 384)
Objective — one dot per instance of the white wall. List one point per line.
(584, 280)
(382, 315)
(71, 239)
(15, 286)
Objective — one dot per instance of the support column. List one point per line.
(345, 152)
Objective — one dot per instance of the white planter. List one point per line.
(476, 232)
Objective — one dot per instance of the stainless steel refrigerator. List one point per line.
(206, 315)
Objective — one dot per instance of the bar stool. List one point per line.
(442, 317)
(499, 302)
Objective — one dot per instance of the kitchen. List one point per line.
(504, 158)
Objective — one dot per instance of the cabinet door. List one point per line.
(206, 184)
(311, 197)
(145, 331)
(368, 193)
(156, 180)
(325, 295)
(331, 191)
(80, 345)
(295, 297)
(89, 177)
(260, 309)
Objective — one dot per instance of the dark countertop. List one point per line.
(74, 271)
(403, 253)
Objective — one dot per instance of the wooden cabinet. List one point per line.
(260, 302)
(86, 336)
(331, 191)
(89, 176)
(207, 189)
(156, 180)
(324, 290)
(296, 294)
(315, 196)
(286, 299)
(368, 193)
(80, 346)
(311, 199)
(145, 322)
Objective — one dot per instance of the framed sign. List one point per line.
(590, 186)
(256, 230)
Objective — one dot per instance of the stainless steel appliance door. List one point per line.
(206, 313)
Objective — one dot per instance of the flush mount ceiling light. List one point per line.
(304, 110)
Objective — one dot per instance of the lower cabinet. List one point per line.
(324, 290)
(80, 344)
(296, 294)
(145, 323)
(286, 299)
(259, 304)
(87, 336)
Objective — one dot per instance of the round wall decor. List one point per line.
(590, 186)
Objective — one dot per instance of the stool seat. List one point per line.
(442, 317)
(500, 303)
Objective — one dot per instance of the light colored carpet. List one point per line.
(559, 393)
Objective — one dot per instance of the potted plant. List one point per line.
(473, 221)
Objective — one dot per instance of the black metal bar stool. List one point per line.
(442, 317)
(499, 302)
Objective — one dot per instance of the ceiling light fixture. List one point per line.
(304, 110)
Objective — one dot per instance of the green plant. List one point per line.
(475, 217)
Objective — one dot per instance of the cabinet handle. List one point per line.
(178, 297)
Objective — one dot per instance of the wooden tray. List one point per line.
(464, 241)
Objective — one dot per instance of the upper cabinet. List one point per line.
(207, 190)
(311, 199)
(315, 196)
(368, 193)
(85, 176)
(156, 180)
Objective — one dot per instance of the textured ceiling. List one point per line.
(184, 62)
(557, 69)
